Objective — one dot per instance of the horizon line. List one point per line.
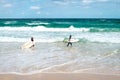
(59, 18)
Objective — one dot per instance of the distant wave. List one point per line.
(64, 22)
(10, 22)
(37, 23)
(71, 28)
(43, 28)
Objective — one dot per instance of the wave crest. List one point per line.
(43, 28)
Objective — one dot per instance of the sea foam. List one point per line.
(42, 28)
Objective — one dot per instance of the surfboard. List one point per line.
(72, 40)
(27, 45)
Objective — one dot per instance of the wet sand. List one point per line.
(59, 76)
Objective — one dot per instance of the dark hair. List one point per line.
(32, 39)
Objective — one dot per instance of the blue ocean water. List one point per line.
(52, 30)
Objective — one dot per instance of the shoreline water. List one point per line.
(57, 57)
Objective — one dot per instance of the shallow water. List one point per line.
(56, 57)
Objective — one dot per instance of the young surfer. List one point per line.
(69, 41)
(32, 40)
(29, 44)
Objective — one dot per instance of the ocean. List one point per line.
(51, 30)
(97, 51)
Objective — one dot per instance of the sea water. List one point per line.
(98, 48)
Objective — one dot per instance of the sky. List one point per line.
(59, 8)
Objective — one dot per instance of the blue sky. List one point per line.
(59, 8)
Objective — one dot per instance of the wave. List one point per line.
(37, 23)
(61, 39)
(111, 54)
(44, 34)
(43, 28)
(47, 69)
(10, 22)
(69, 29)
(13, 39)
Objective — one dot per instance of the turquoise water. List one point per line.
(52, 30)
(62, 23)
(104, 23)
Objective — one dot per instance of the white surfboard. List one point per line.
(28, 45)
(72, 40)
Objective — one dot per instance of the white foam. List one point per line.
(107, 37)
(12, 39)
(10, 22)
(42, 28)
(43, 34)
(43, 37)
(15, 28)
(37, 23)
(44, 70)
(57, 66)
(104, 37)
